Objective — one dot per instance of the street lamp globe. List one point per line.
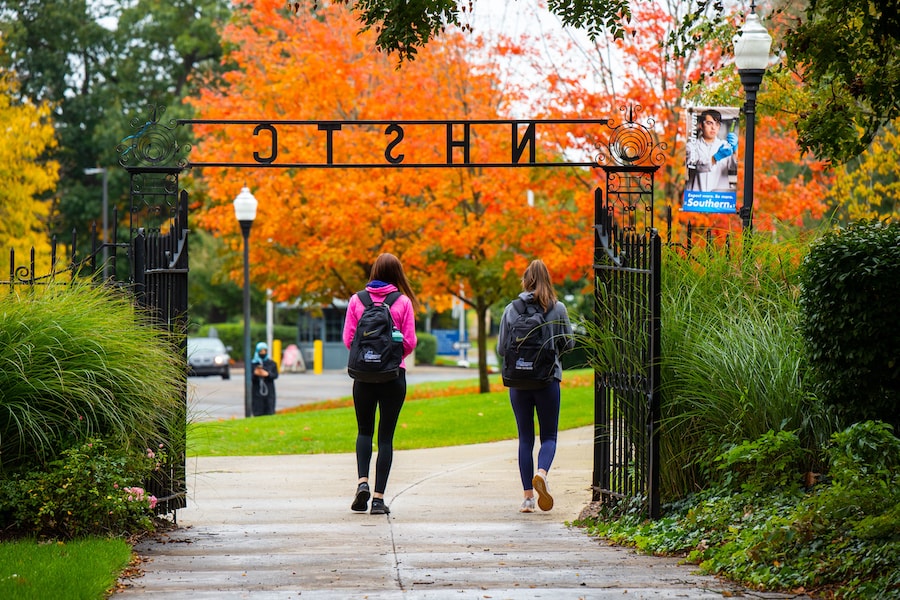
(752, 45)
(245, 206)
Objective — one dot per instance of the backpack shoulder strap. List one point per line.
(392, 297)
(365, 298)
(519, 306)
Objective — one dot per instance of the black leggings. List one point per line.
(388, 399)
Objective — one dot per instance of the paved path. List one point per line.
(280, 527)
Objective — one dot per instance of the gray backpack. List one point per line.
(529, 356)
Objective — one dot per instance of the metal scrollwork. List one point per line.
(629, 159)
(631, 143)
(154, 143)
(23, 275)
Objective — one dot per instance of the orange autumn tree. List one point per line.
(650, 68)
(468, 232)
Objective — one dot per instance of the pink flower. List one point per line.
(153, 502)
(134, 493)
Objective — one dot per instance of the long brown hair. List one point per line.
(537, 279)
(387, 268)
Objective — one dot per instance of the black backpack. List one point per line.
(529, 354)
(374, 355)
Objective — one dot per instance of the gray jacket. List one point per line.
(557, 318)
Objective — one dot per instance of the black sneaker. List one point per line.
(361, 501)
(379, 507)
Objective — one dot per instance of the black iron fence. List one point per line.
(627, 269)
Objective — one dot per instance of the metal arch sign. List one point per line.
(371, 144)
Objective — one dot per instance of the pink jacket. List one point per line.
(401, 311)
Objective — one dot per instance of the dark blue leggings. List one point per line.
(525, 403)
(388, 399)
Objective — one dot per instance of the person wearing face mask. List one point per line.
(264, 374)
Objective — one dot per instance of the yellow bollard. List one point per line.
(276, 353)
(317, 357)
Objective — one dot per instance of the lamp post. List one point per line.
(751, 55)
(105, 208)
(245, 210)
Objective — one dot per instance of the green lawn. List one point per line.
(77, 570)
(434, 415)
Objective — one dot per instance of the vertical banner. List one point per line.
(711, 159)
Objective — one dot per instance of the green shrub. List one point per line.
(850, 294)
(426, 349)
(840, 537)
(78, 362)
(867, 450)
(768, 462)
(90, 490)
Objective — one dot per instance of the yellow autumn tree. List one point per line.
(868, 187)
(26, 133)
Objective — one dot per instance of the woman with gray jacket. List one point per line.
(544, 400)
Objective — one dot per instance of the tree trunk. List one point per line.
(484, 386)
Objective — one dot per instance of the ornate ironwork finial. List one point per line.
(154, 143)
(631, 143)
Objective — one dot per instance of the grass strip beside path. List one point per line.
(436, 414)
(76, 570)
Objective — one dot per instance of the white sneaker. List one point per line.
(527, 506)
(545, 500)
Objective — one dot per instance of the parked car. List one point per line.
(208, 356)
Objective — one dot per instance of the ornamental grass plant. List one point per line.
(78, 361)
(759, 484)
(733, 361)
(91, 406)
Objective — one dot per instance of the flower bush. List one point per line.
(91, 489)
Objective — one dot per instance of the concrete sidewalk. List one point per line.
(280, 527)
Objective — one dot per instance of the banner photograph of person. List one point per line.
(711, 159)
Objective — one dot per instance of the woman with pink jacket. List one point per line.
(387, 397)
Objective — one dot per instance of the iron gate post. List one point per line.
(627, 270)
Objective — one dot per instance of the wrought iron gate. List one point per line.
(627, 319)
(158, 226)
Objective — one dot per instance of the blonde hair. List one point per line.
(537, 279)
